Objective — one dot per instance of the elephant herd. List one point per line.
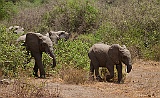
(100, 54)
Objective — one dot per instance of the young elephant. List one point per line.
(16, 29)
(102, 55)
(55, 36)
(37, 43)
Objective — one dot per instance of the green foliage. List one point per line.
(12, 58)
(134, 24)
(72, 53)
(37, 1)
(7, 9)
(79, 16)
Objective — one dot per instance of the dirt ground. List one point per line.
(142, 81)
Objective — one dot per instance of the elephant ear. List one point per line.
(42, 42)
(32, 42)
(124, 51)
(113, 53)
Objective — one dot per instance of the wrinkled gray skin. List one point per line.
(37, 43)
(103, 55)
(16, 29)
(55, 36)
(63, 35)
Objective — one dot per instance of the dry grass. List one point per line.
(104, 72)
(24, 88)
(73, 75)
(31, 17)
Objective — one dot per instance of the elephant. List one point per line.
(56, 35)
(103, 55)
(22, 39)
(37, 43)
(53, 36)
(63, 35)
(16, 29)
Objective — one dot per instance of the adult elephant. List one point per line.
(103, 55)
(37, 43)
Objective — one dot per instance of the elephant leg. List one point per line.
(96, 68)
(98, 77)
(35, 73)
(94, 65)
(38, 60)
(91, 75)
(119, 69)
(111, 71)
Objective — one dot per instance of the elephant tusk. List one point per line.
(126, 69)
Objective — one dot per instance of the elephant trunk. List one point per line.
(129, 67)
(53, 57)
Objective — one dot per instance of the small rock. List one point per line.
(149, 95)
(153, 94)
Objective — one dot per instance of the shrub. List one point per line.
(133, 23)
(72, 53)
(12, 57)
(74, 16)
(7, 9)
(73, 75)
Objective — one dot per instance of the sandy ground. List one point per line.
(142, 81)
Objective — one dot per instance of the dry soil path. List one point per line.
(142, 81)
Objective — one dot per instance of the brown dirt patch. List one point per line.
(142, 81)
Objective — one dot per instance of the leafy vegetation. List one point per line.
(78, 16)
(12, 57)
(133, 23)
(7, 9)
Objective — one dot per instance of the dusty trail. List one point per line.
(143, 81)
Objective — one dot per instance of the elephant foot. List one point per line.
(35, 75)
(98, 78)
(42, 77)
(120, 82)
(109, 80)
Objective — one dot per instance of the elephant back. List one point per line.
(99, 52)
(32, 42)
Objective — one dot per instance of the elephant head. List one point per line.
(55, 36)
(120, 54)
(16, 29)
(63, 35)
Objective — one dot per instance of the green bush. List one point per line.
(79, 16)
(133, 23)
(12, 57)
(7, 9)
(72, 53)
